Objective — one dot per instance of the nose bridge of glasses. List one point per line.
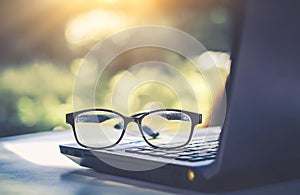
(132, 119)
(137, 120)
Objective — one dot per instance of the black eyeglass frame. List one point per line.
(137, 118)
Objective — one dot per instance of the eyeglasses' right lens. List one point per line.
(167, 129)
(98, 129)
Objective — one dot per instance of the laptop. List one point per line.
(259, 141)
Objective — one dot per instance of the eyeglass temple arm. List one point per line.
(169, 116)
(91, 118)
(150, 132)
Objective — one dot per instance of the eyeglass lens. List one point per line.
(98, 128)
(173, 128)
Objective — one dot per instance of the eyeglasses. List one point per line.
(164, 128)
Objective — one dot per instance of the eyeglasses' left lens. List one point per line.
(98, 129)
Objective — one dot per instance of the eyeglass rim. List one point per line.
(196, 118)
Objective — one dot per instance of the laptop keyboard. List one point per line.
(193, 152)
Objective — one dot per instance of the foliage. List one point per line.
(34, 97)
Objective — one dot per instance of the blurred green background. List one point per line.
(42, 44)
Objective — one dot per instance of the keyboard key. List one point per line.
(212, 150)
(201, 155)
(160, 154)
(184, 158)
(132, 150)
(195, 149)
(144, 151)
(186, 153)
(171, 156)
(210, 157)
(195, 159)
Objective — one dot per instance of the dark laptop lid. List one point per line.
(261, 133)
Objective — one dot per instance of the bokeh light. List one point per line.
(94, 26)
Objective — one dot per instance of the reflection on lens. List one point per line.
(98, 129)
(173, 128)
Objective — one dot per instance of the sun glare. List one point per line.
(92, 26)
